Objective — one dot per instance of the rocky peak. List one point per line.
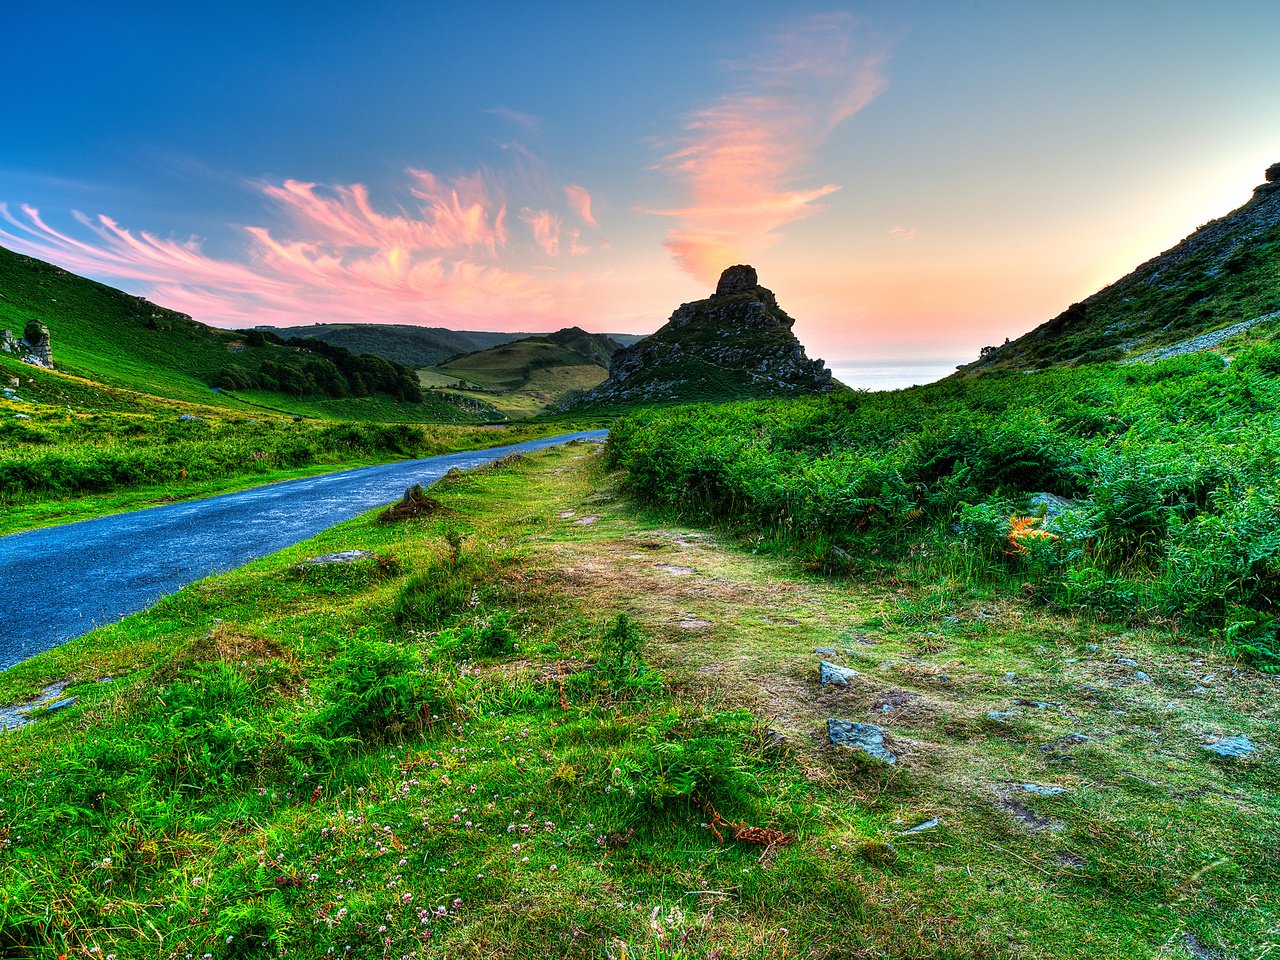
(736, 344)
(1273, 173)
(737, 279)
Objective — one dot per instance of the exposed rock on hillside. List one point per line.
(33, 347)
(1222, 275)
(737, 344)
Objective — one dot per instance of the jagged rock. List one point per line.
(37, 337)
(34, 347)
(1273, 173)
(736, 344)
(864, 737)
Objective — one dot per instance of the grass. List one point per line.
(523, 378)
(519, 773)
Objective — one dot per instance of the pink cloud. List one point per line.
(546, 229)
(580, 201)
(331, 254)
(740, 160)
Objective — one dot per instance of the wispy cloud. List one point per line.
(741, 160)
(330, 253)
(525, 121)
(580, 201)
(904, 233)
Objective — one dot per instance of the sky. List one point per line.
(911, 178)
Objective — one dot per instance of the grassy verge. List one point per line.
(456, 747)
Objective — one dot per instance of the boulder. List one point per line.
(864, 737)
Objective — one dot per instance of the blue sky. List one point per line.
(911, 178)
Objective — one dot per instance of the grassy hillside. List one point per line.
(538, 724)
(528, 376)
(410, 345)
(415, 346)
(123, 341)
(1225, 274)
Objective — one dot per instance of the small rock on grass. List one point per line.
(831, 673)
(921, 827)
(1003, 714)
(1232, 747)
(864, 737)
(1041, 790)
(346, 556)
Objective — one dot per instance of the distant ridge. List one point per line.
(410, 345)
(1226, 274)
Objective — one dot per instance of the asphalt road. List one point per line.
(61, 582)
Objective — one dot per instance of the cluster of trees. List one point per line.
(312, 367)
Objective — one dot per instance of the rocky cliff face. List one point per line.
(737, 344)
(34, 347)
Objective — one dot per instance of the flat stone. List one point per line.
(1232, 747)
(1003, 714)
(1040, 790)
(346, 556)
(1126, 662)
(921, 827)
(61, 704)
(828, 651)
(693, 624)
(831, 673)
(587, 521)
(864, 737)
(674, 569)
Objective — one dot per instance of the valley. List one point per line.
(982, 668)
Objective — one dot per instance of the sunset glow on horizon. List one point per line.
(911, 179)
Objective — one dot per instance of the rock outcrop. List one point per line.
(735, 345)
(34, 346)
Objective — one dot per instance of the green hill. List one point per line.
(1219, 282)
(528, 376)
(410, 345)
(108, 336)
(419, 347)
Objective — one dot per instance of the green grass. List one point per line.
(311, 759)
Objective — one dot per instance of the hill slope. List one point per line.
(735, 345)
(528, 376)
(1226, 273)
(111, 337)
(415, 346)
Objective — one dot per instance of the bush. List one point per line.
(374, 687)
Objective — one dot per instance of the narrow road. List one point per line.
(61, 582)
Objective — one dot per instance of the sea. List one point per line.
(877, 375)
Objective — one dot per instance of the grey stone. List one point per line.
(346, 556)
(1232, 747)
(1126, 662)
(828, 651)
(864, 737)
(1003, 714)
(1053, 505)
(921, 827)
(831, 673)
(61, 704)
(1141, 677)
(1040, 790)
